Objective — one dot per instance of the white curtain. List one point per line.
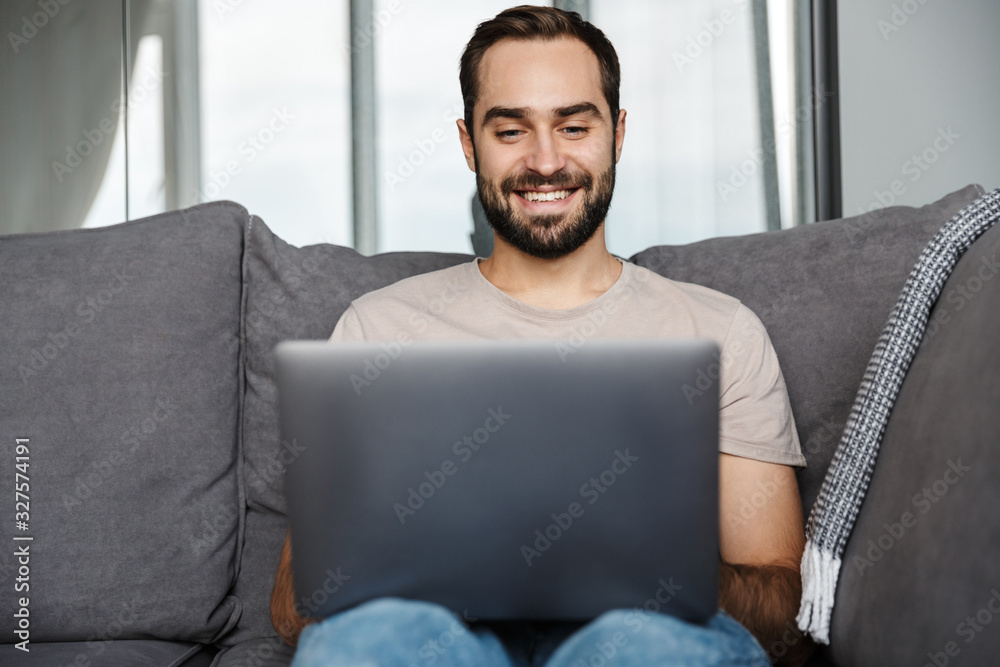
(60, 95)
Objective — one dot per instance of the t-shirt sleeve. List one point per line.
(755, 417)
(348, 329)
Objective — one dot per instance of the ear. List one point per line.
(467, 147)
(619, 134)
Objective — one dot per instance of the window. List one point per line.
(252, 102)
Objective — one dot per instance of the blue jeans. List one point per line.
(401, 633)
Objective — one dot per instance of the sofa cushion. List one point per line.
(116, 653)
(265, 652)
(292, 293)
(119, 360)
(824, 292)
(929, 522)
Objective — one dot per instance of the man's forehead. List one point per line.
(541, 75)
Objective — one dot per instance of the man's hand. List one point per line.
(761, 539)
(283, 615)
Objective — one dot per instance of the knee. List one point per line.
(630, 621)
(397, 612)
(610, 637)
(640, 637)
(399, 631)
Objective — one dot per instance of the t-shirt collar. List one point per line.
(498, 295)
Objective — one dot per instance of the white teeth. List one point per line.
(546, 196)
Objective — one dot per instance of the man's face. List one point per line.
(545, 145)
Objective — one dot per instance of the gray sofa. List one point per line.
(137, 384)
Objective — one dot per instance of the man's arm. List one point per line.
(761, 539)
(283, 615)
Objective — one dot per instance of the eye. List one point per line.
(575, 131)
(507, 135)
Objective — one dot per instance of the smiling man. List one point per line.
(543, 131)
(544, 150)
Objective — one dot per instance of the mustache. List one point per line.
(531, 181)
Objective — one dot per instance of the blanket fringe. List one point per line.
(820, 571)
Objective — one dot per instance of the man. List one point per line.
(543, 131)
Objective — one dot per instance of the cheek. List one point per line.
(495, 162)
(595, 156)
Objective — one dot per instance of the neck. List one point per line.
(558, 284)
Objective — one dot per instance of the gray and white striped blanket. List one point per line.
(833, 515)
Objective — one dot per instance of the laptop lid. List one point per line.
(504, 479)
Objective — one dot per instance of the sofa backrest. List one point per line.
(824, 292)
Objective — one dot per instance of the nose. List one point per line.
(545, 156)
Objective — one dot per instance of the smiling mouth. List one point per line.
(536, 196)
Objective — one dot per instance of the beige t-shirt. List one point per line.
(459, 303)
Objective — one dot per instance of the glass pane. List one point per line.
(141, 116)
(275, 114)
(145, 130)
(918, 101)
(690, 167)
(109, 204)
(425, 186)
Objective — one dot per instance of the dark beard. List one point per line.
(547, 236)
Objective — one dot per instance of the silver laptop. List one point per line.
(504, 479)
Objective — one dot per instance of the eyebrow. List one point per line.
(517, 113)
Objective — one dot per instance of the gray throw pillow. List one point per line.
(920, 582)
(119, 376)
(824, 293)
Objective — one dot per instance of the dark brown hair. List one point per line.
(528, 22)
